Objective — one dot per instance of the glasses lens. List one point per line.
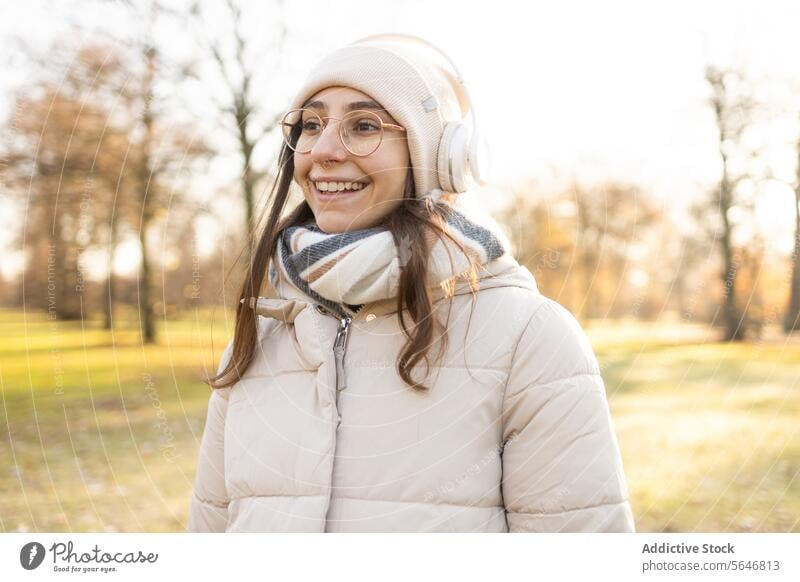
(301, 129)
(361, 132)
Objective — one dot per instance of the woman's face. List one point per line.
(383, 172)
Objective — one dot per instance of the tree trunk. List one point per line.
(734, 326)
(145, 305)
(148, 189)
(725, 106)
(248, 182)
(791, 321)
(109, 295)
(65, 275)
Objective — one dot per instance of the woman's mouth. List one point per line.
(331, 191)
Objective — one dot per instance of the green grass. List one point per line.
(709, 431)
(100, 433)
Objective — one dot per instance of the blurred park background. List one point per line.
(646, 168)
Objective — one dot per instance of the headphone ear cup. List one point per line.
(451, 161)
(480, 162)
(443, 159)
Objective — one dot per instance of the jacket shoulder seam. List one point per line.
(415, 502)
(516, 346)
(211, 502)
(490, 368)
(239, 498)
(556, 381)
(576, 509)
(511, 366)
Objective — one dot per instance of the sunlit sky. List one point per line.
(590, 89)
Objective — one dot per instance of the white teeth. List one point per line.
(338, 186)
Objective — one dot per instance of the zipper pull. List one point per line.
(339, 347)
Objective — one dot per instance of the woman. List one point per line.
(409, 376)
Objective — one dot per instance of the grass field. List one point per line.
(101, 434)
(709, 431)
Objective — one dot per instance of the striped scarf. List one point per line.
(343, 271)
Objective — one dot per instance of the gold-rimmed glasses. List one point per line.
(361, 131)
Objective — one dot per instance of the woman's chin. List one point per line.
(337, 220)
(334, 222)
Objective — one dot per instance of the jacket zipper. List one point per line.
(340, 347)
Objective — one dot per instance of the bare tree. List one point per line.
(65, 154)
(608, 218)
(733, 105)
(160, 151)
(592, 228)
(238, 61)
(543, 241)
(791, 321)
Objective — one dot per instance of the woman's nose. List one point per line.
(329, 146)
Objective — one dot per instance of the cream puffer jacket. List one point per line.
(513, 435)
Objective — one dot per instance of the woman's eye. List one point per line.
(365, 126)
(310, 126)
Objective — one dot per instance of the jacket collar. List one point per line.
(504, 271)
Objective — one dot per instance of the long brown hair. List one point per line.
(415, 222)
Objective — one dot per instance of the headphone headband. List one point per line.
(453, 132)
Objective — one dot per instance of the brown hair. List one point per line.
(415, 222)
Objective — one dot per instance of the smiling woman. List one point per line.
(409, 376)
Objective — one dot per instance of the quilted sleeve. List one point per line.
(562, 469)
(208, 510)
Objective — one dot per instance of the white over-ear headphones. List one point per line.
(462, 150)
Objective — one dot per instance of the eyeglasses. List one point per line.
(361, 132)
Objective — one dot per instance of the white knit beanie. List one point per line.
(410, 82)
